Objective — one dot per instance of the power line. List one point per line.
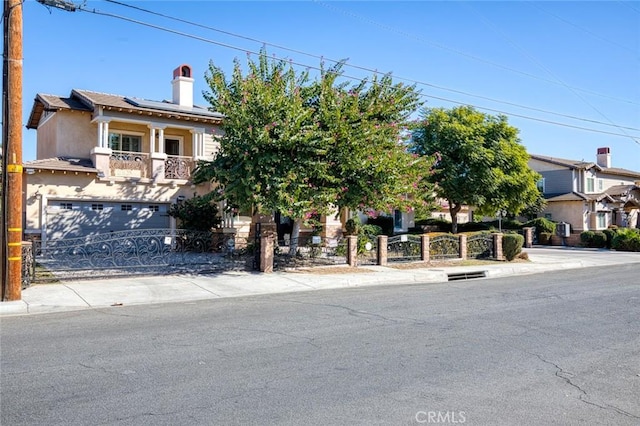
(548, 71)
(410, 80)
(225, 45)
(459, 52)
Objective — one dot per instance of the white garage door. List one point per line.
(68, 219)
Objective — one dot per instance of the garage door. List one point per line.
(68, 219)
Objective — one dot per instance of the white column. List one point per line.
(194, 144)
(105, 135)
(100, 137)
(161, 140)
(152, 139)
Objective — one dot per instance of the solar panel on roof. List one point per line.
(166, 106)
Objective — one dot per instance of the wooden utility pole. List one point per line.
(12, 148)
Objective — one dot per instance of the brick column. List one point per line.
(266, 252)
(463, 246)
(424, 248)
(528, 237)
(382, 250)
(497, 246)
(352, 250)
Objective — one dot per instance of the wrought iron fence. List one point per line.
(28, 264)
(128, 163)
(148, 251)
(312, 250)
(404, 248)
(444, 247)
(367, 251)
(480, 246)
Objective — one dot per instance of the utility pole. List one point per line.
(12, 150)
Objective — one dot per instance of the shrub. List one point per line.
(512, 245)
(385, 223)
(593, 239)
(352, 227)
(441, 224)
(197, 213)
(542, 225)
(586, 237)
(626, 239)
(474, 226)
(599, 240)
(610, 233)
(545, 238)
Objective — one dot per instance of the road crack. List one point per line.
(582, 396)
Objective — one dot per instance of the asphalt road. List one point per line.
(553, 349)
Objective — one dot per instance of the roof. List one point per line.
(86, 100)
(62, 163)
(578, 196)
(575, 164)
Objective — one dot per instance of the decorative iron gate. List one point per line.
(147, 252)
(480, 246)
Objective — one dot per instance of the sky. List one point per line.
(566, 74)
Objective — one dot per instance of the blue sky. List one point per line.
(572, 63)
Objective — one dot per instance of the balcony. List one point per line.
(178, 167)
(129, 164)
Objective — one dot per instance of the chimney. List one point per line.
(604, 157)
(182, 86)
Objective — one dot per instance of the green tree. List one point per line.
(479, 161)
(304, 147)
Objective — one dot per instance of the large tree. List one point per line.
(480, 161)
(306, 146)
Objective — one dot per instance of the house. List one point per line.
(108, 162)
(588, 195)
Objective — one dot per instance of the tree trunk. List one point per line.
(295, 235)
(453, 211)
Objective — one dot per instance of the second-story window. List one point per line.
(591, 185)
(125, 142)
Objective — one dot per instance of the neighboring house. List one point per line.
(109, 163)
(588, 195)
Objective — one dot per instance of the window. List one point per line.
(124, 142)
(540, 185)
(602, 220)
(154, 208)
(600, 185)
(591, 185)
(97, 206)
(172, 146)
(125, 207)
(397, 219)
(66, 206)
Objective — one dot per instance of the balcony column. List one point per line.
(152, 139)
(101, 153)
(197, 143)
(161, 140)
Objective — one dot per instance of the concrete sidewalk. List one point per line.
(100, 293)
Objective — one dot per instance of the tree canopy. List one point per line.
(479, 161)
(305, 146)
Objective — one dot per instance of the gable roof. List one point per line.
(86, 100)
(62, 163)
(585, 165)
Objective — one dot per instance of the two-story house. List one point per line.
(588, 195)
(109, 162)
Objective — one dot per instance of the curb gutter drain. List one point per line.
(466, 275)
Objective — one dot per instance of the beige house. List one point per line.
(589, 196)
(108, 162)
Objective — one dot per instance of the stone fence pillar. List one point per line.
(382, 250)
(352, 250)
(424, 248)
(463, 246)
(497, 246)
(266, 252)
(528, 237)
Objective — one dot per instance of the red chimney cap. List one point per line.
(183, 70)
(604, 150)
